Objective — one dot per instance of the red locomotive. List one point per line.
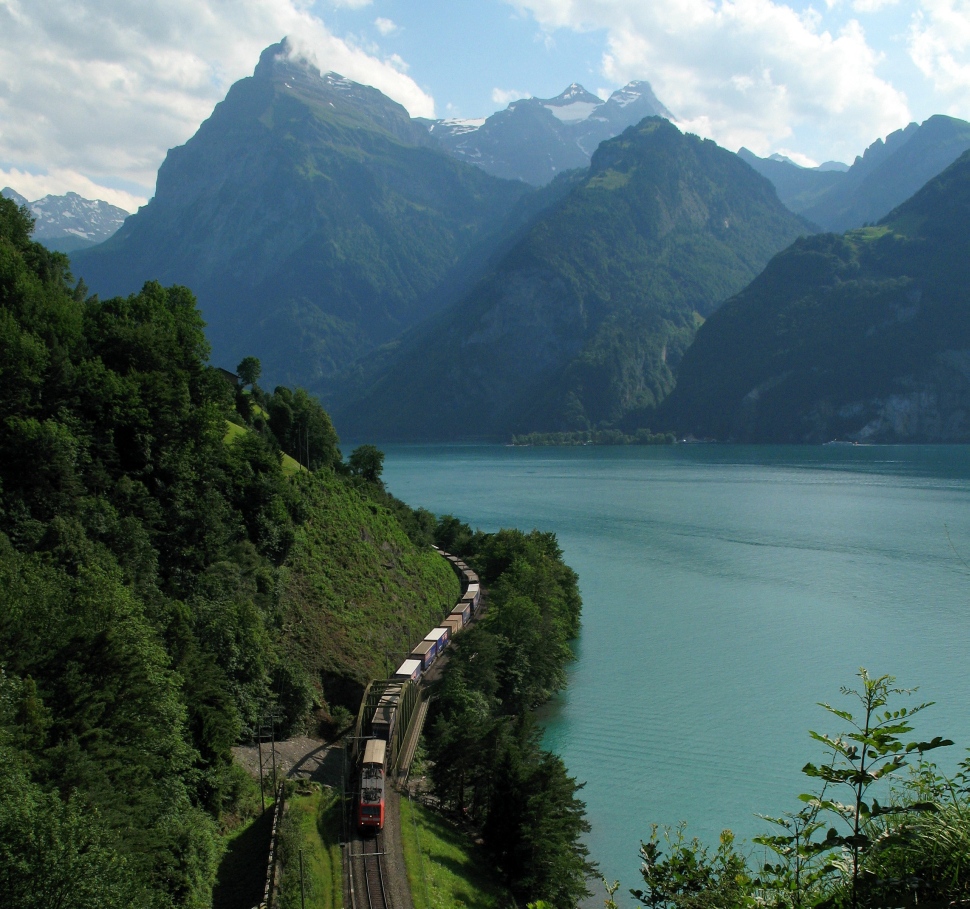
(370, 805)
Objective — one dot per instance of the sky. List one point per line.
(94, 92)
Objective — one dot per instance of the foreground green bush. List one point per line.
(844, 847)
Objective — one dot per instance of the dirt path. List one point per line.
(300, 757)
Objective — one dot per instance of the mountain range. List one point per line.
(357, 251)
(69, 222)
(583, 321)
(535, 139)
(313, 218)
(863, 336)
(885, 175)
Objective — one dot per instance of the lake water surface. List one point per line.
(726, 590)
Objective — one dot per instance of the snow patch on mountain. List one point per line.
(572, 113)
(456, 126)
(627, 95)
(338, 81)
(72, 215)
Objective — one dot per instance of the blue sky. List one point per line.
(461, 54)
(93, 93)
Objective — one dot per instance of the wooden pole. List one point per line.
(302, 888)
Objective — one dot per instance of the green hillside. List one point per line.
(582, 323)
(312, 217)
(862, 336)
(164, 584)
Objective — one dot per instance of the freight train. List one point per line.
(374, 765)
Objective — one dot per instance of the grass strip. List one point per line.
(445, 869)
(311, 823)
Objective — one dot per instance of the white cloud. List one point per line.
(501, 96)
(798, 157)
(103, 90)
(59, 182)
(743, 72)
(940, 46)
(546, 40)
(385, 26)
(872, 6)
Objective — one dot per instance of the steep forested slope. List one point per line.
(581, 323)
(163, 584)
(864, 335)
(311, 216)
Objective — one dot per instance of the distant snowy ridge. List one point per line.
(533, 139)
(70, 222)
(457, 126)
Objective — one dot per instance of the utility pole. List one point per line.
(262, 793)
(302, 888)
(267, 734)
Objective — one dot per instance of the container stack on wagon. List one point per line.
(370, 800)
(426, 651)
(408, 671)
(440, 636)
(453, 623)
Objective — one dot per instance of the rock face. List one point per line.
(583, 320)
(312, 217)
(883, 177)
(864, 336)
(535, 139)
(14, 196)
(70, 222)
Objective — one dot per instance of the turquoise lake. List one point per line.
(726, 591)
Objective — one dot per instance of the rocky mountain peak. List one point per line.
(572, 94)
(534, 139)
(13, 195)
(280, 58)
(634, 101)
(573, 105)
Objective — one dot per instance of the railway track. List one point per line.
(368, 890)
(374, 876)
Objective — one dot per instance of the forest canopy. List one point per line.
(164, 530)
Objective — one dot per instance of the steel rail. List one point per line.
(374, 877)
